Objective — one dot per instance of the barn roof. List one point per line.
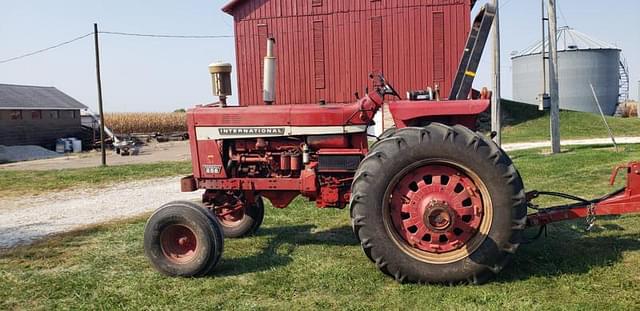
(231, 5)
(36, 97)
(228, 8)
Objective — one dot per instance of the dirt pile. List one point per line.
(25, 153)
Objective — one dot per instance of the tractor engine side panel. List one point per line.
(279, 157)
(286, 157)
(211, 160)
(193, 146)
(320, 167)
(206, 155)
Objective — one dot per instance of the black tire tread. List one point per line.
(194, 210)
(401, 139)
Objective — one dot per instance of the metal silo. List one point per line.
(582, 60)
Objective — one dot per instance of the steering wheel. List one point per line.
(390, 90)
(384, 87)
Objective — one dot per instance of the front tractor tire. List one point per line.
(183, 239)
(237, 217)
(438, 204)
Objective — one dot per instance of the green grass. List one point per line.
(573, 125)
(305, 258)
(14, 183)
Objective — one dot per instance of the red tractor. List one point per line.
(431, 200)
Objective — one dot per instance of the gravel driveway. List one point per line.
(23, 220)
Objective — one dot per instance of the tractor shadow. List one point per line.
(567, 251)
(281, 243)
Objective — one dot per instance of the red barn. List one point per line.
(327, 48)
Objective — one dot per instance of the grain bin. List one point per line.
(582, 60)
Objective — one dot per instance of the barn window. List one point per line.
(316, 2)
(36, 115)
(16, 115)
(54, 114)
(318, 54)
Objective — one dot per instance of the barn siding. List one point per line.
(420, 45)
(43, 132)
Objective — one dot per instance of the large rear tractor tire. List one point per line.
(438, 204)
(236, 216)
(183, 239)
(388, 133)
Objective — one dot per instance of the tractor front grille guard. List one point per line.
(620, 202)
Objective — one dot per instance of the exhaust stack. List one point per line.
(269, 87)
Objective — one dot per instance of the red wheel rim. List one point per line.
(436, 209)
(227, 206)
(230, 216)
(179, 243)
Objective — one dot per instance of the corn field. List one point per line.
(146, 122)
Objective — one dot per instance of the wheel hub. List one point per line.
(438, 216)
(179, 243)
(436, 209)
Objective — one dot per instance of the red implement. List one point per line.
(623, 201)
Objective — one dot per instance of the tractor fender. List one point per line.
(451, 112)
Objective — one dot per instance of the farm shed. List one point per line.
(327, 48)
(35, 115)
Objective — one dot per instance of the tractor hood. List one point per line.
(293, 115)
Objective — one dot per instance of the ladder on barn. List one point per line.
(473, 53)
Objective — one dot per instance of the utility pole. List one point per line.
(553, 77)
(544, 97)
(99, 81)
(496, 112)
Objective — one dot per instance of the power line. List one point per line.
(45, 49)
(566, 22)
(166, 36)
(114, 33)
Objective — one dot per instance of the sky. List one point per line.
(154, 74)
